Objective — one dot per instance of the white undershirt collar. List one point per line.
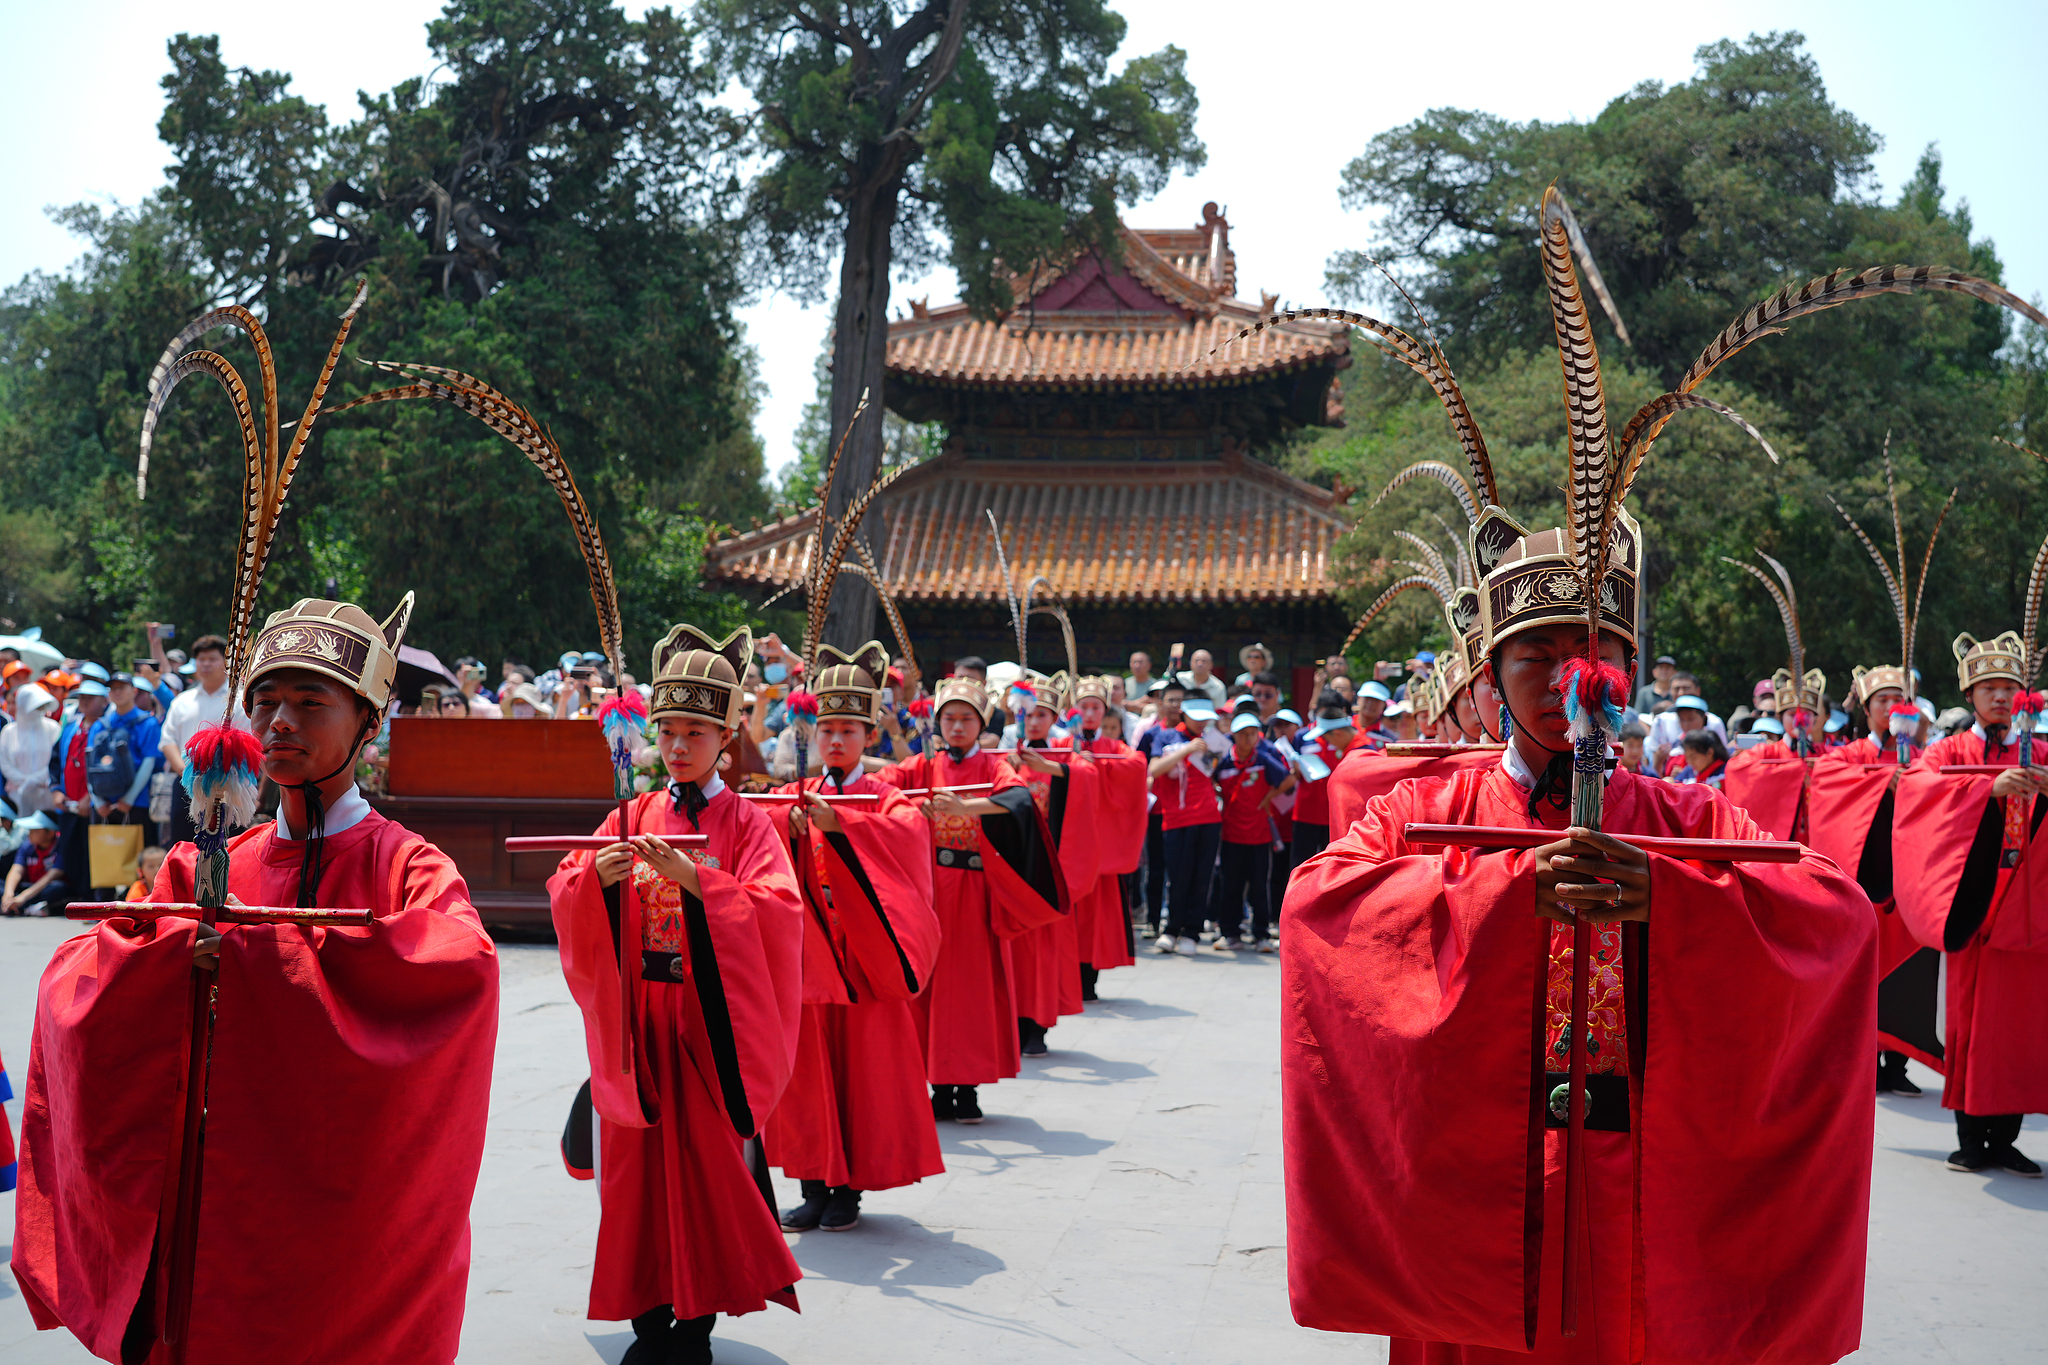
(348, 811)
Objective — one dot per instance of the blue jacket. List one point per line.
(145, 736)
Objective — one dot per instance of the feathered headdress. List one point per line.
(1796, 688)
(222, 775)
(1905, 593)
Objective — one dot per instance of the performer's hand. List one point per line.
(946, 803)
(1037, 762)
(614, 863)
(668, 861)
(821, 814)
(2021, 782)
(206, 948)
(1566, 873)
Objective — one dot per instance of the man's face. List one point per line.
(841, 741)
(1200, 665)
(689, 747)
(1465, 715)
(959, 725)
(1992, 701)
(1093, 712)
(1258, 661)
(1169, 706)
(1038, 722)
(1681, 687)
(121, 696)
(1526, 669)
(1267, 696)
(452, 708)
(1877, 712)
(1662, 673)
(1369, 710)
(309, 725)
(211, 667)
(1344, 687)
(1141, 664)
(91, 708)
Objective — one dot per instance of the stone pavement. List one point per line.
(1122, 1203)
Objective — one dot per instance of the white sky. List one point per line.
(1288, 96)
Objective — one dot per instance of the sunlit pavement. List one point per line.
(1121, 1203)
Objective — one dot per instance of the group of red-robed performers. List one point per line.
(809, 961)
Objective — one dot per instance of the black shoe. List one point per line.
(805, 1216)
(1088, 978)
(2009, 1158)
(1969, 1159)
(1031, 1036)
(842, 1210)
(654, 1338)
(966, 1108)
(944, 1102)
(1891, 1078)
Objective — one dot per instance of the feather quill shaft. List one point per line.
(1450, 478)
(1385, 600)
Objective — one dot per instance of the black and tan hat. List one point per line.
(1865, 683)
(1534, 581)
(695, 675)
(849, 686)
(962, 690)
(2002, 656)
(1096, 687)
(1803, 694)
(338, 640)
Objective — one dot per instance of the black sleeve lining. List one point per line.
(844, 848)
(717, 1015)
(1980, 878)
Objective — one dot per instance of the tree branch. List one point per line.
(944, 60)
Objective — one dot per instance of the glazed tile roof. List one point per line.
(1222, 531)
(1152, 323)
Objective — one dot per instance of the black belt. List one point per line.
(659, 966)
(1606, 1101)
(953, 857)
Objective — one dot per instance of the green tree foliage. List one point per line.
(1697, 201)
(544, 215)
(992, 127)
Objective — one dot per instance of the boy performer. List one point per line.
(1102, 920)
(350, 1069)
(1850, 808)
(1047, 960)
(1977, 888)
(716, 931)
(1770, 780)
(995, 877)
(854, 1115)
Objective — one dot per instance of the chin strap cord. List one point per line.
(315, 860)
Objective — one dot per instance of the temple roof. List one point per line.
(1209, 531)
(1150, 321)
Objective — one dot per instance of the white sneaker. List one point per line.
(1187, 947)
(1269, 945)
(1223, 945)
(1163, 944)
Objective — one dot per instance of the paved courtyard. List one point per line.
(1122, 1203)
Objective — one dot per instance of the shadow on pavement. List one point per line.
(1098, 1071)
(975, 1140)
(895, 1253)
(1112, 1007)
(2021, 1191)
(611, 1346)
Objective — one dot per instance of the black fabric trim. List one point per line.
(577, 1153)
(611, 913)
(844, 848)
(1014, 838)
(1532, 1156)
(717, 1015)
(800, 854)
(1606, 1101)
(1980, 878)
(1056, 802)
(1874, 868)
(1908, 1002)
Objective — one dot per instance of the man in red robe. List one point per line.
(854, 1115)
(1769, 780)
(690, 1052)
(1103, 919)
(1426, 997)
(349, 1076)
(1046, 961)
(1977, 889)
(1850, 805)
(996, 876)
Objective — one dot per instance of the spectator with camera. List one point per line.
(469, 676)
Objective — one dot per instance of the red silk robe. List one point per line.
(1365, 772)
(994, 879)
(1424, 1192)
(1104, 922)
(1849, 805)
(1047, 960)
(1976, 887)
(7, 1163)
(683, 1221)
(1769, 781)
(855, 1111)
(346, 1100)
